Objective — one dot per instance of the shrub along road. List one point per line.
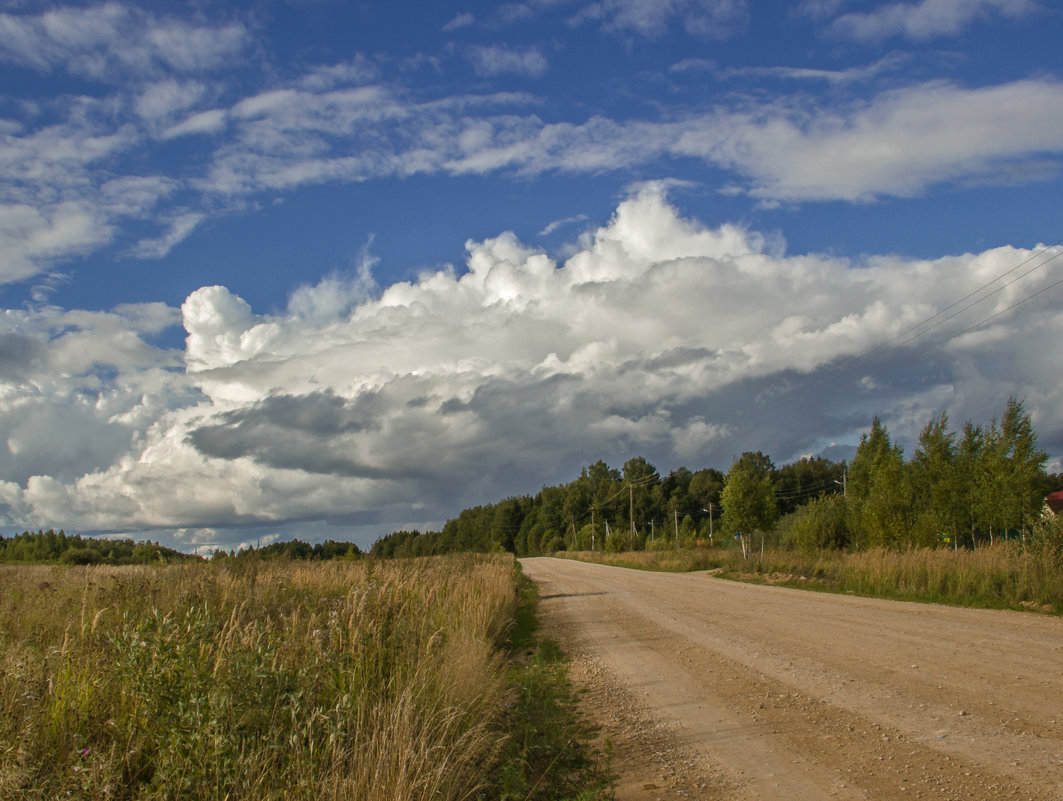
(715, 689)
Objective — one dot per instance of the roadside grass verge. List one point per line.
(382, 681)
(549, 754)
(1001, 576)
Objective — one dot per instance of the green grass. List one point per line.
(549, 754)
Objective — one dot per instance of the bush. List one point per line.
(823, 523)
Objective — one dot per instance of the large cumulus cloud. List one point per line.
(658, 336)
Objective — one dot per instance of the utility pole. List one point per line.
(676, 524)
(631, 509)
(844, 482)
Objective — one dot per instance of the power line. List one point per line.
(894, 344)
(885, 347)
(877, 354)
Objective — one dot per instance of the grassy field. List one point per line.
(1003, 576)
(258, 680)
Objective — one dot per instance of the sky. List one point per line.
(330, 269)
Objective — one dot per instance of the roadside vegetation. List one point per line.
(1001, 576)
(256, 679)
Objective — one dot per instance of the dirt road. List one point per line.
(713, 689)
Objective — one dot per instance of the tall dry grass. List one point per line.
(1005, 575)
(377, 681)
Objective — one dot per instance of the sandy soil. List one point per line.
(710, 689)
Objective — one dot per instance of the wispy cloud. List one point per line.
(109, 41)
(886, 64)
(554, 225)
(706, 18)
(332, 124)
(926, 19)
(499, 60)
(462, 20)
(181, 226)
(899, 144)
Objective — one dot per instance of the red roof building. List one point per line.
(1054, 501)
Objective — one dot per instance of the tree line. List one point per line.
(977, 485)
(60, 548)
(295, 549)
(608, 508)
(958, 489)
(52, 547)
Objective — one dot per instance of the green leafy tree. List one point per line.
(1009, 473)
(1025, 463)
(939, 505)
(642, 479)
(968, 458)
(803, 481)
(822, 523)
(748, 498)
(879, 491)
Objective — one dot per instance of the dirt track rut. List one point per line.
(713, 689)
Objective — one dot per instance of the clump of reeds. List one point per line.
(253, 680)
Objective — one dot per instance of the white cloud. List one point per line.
(203, 122)
(60, 171)
(660, 337)
(462, 20)
(356, 70)
(864, 72)
(32, 237)
(161, 101)
(552, 226)
(181, 227)
(899, 144)
(494, 60)
(111, 41)
(651, 18)
(78, 388)
(926, 19)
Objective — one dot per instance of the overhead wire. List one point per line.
(895, 344)
(889, 346)
(878, 354)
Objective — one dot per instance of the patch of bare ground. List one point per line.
(711, 689)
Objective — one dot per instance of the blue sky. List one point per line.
(328, 269)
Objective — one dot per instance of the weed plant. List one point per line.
(248, 680)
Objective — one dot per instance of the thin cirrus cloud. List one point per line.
(110, 41)
(899, 143)
(716, 19)
(332, 126)
(494, 60)
(658, 336)
(926, 19)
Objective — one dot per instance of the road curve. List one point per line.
(751, 692)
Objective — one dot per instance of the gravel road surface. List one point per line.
(711, 689)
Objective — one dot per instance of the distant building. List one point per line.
(1054, 502)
